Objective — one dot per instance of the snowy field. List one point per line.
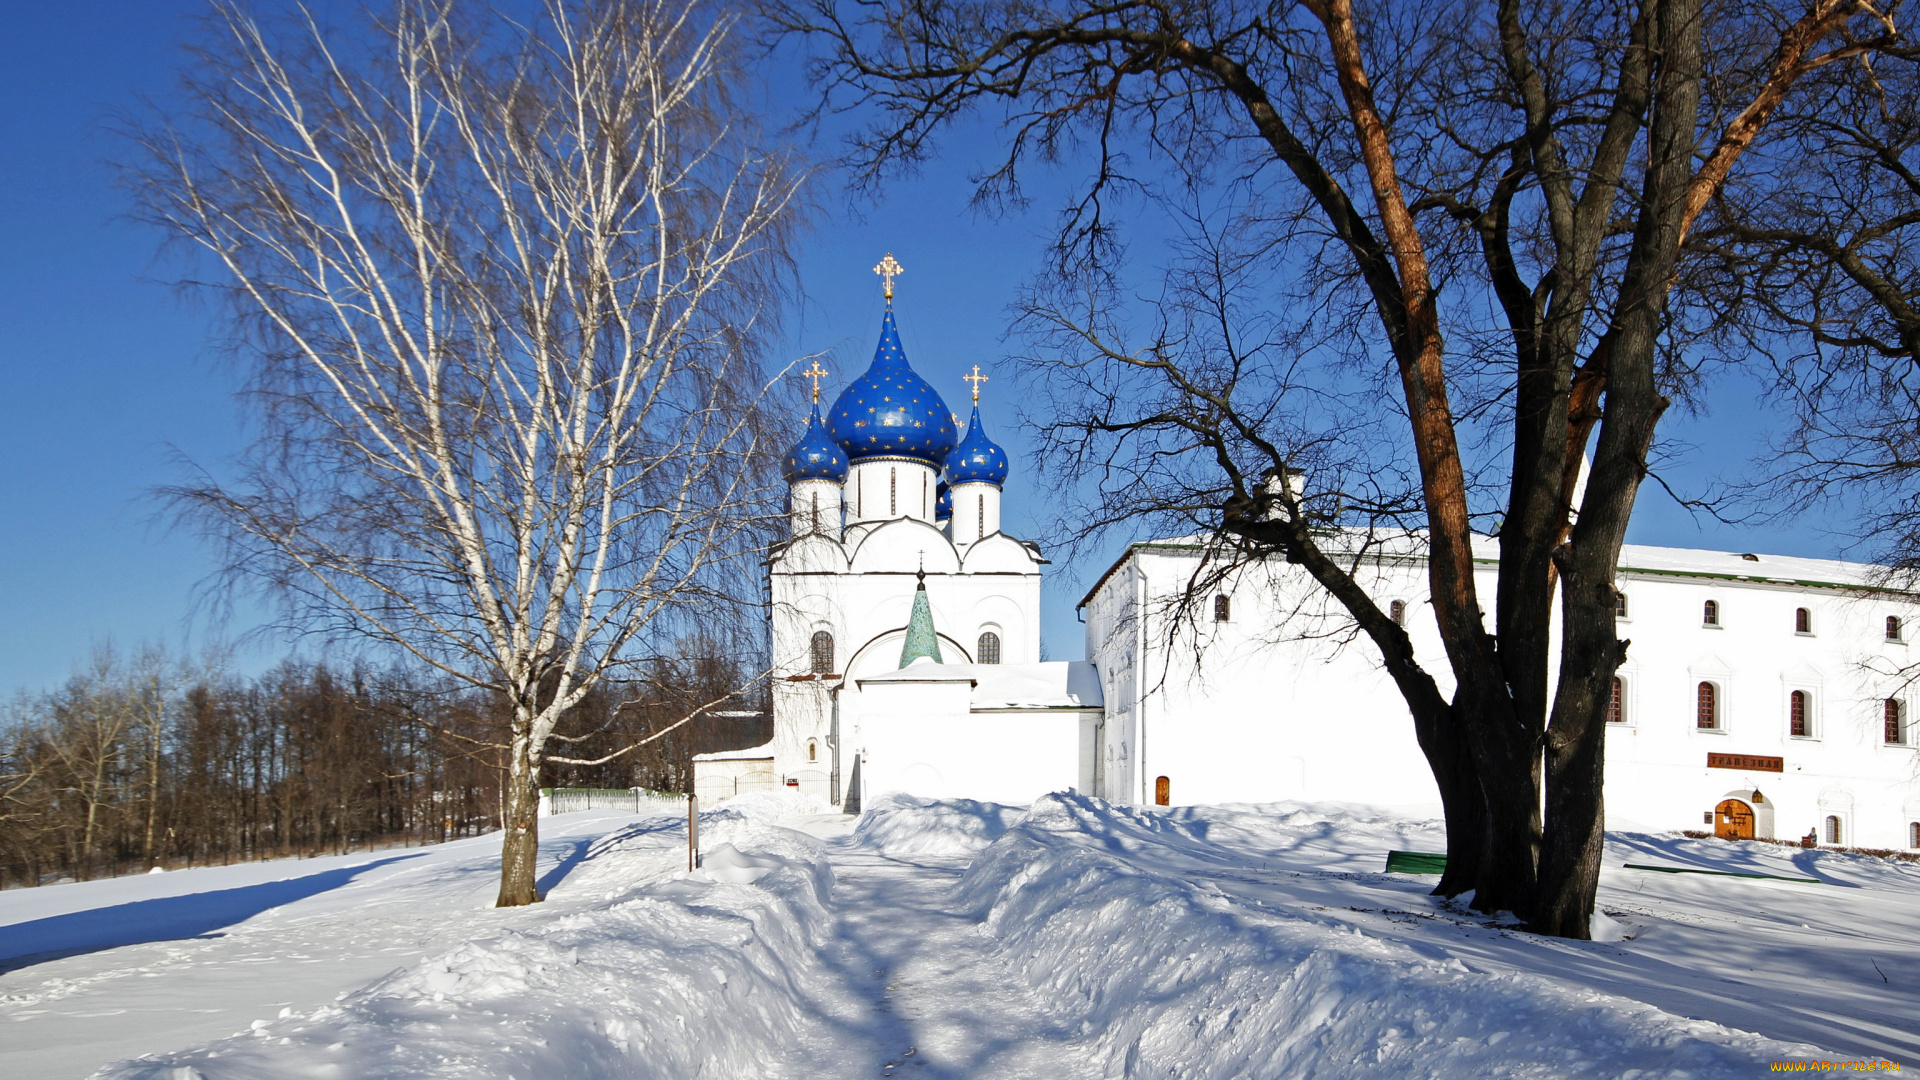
(955, 940)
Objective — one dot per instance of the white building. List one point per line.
(1761, 695)
(897, 556)
(1760, 692)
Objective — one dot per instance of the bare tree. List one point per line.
(503, 286)
(1538, 165)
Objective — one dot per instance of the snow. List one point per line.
(957, 939)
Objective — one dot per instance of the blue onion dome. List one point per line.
(816, 456)
(978, 459)
(891, 412)
(942, 501)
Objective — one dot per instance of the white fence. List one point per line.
(632, 800)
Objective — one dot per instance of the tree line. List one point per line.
(144, 761)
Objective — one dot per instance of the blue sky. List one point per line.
(106, 376)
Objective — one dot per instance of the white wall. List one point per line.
(1285, 702)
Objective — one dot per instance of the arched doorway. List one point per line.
(1162, 791)
(1733, 820)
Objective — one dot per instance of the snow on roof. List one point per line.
(762, 752)
(1634, 558)
(1054, 684)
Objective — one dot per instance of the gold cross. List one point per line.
(816, 373)
(976, 379)
(889, 269)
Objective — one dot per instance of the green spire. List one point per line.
(921, 640)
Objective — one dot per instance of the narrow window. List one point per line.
(1802, 621)
(859, 495)
(926, 495)
(1617, 703)
(1222, 609)
(1397, 611)
(1797, 714)
(822, 652)
(1895, 731)
(813, 751)
(1893, 628)
(893, 492)
(1619, 604)
(989, 650)
(1833, 829)
(1707, 701)
(1710, 613)
(980, 526)
(816, 511)
(1913, 834)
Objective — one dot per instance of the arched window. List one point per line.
(893, 492)
(1833, 829)
(1802, 621)
(1619, 604)
(1797, 715)
(813, 750)
(1397, 611)
(822, 652)
(1913, 834)
(1710, 613)
(1893, 628)
(1707, 707)
(989, 650)
(1617, 703)
(1895, 731)
(1222, 609)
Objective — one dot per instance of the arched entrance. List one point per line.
(1733, 820)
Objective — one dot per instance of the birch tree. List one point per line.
(501, 286)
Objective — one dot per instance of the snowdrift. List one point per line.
(902, 825)
(674, 977)
(1168, 978)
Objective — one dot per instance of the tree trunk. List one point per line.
(520, 847)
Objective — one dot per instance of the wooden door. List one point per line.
(1733, 820)
(1163, 792)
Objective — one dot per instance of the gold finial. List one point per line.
(889, 269)
(976, 379)
(816, 373)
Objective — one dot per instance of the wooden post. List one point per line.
(693, 833)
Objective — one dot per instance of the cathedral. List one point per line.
(1763, 696)
(906, 624)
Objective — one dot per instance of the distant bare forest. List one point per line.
(146, 761)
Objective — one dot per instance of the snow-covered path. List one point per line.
(945, 1003)
(953, 941)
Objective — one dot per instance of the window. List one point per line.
(989, 650)
(1895, 731)
(1802, 621)
(1617, 703)
(1707, 707)
(1833, 829)
(1797, 722)
(1913, 834)
(813, 750)
(1893, 628)
(1222, 609)
(822, 653)
(1397, 611)
(1619, 604)
(1710, 613)
(893, 492)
